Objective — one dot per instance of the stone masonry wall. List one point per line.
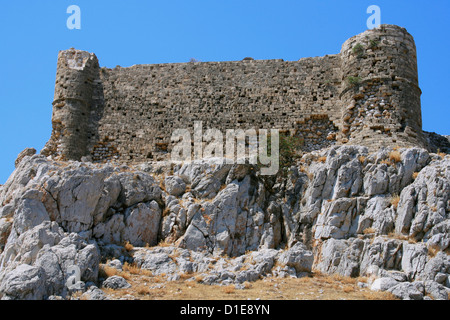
(381, 95)
(368, 94)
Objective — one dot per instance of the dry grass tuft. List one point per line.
(399, 236)
(185, 275)
(107, 271)
(207, 218)
(229, 289)
(414, 175)
(433, 251)
(395, 156)
(343, 280)
(395, 199)
(166, 212)
(369, 230)
(362, 159)
(348, 288)
(322, 159)
(377, 295)
(142, 289)
(162, 185)
(128, 246)
(133, 269)
(77, 295)
(247, 285)
(165, 243)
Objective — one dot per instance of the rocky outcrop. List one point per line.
(37, 263)
(436, 142)
(341, 210)
(221, 270)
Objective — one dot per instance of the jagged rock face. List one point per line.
(436, 142)
(340, 210)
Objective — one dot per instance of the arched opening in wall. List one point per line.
(317, 132)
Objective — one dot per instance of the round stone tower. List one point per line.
(380, 91)
(76, 72)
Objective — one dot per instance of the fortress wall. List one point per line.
(367, 94)
(144, 104)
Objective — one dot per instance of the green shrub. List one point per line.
(289, 150)
(354, 81)
(373, 44)
(358, 50)
(289, 147)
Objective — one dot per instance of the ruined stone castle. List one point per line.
(368, 94)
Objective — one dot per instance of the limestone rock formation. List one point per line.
(341, 210)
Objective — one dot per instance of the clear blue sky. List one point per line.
(145, 32)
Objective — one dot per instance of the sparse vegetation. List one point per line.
(165, 243)
(362, 159)
(207, 218)
(433, 251)
(373, 44)
(229, 289)
(395, 156)
(133, 269)
(106, 271)
(400, 236)
(289, 150)
(395, 199)
(358, 50)
(128, 246)
(353, 81)
(166, 212)
(441, 154)
(317, 286)
(162, 185)
(369, 230)
(322, 159)
(386, 162)
(142, 290)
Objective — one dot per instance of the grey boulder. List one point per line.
(116, 282)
